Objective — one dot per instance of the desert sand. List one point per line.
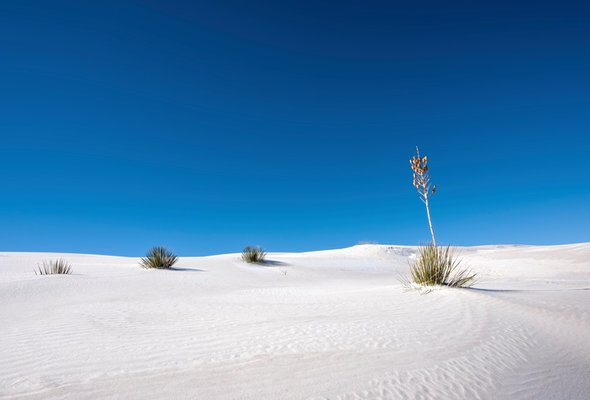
(334, 324)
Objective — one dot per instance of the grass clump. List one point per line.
(158, 257)
(437, 265)
(253, 254)
(54, 267)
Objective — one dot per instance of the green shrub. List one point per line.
(158, 257)
(440, 266)
(252, 254)
(54, 267)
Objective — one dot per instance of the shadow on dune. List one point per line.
(187, 269)
(523, 290)
(273, 263)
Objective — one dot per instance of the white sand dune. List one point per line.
(321, 325)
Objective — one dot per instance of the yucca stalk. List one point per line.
(158, 257)
(253, 254)
(423, 185)
(440, 266)
(54, 267)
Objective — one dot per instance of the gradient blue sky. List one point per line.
(207, 126)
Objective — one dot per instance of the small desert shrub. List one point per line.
(54, 267)
(437, 265)
(252, 254)
(158, 257)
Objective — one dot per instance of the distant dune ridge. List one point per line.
(334, 324)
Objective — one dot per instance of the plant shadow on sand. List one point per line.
(186, 269)
(523, 290)
(272, 263)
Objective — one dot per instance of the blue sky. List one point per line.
(208, 126)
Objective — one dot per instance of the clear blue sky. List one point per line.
(208, 126)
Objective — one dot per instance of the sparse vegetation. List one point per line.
(436, 265)
(253, 255)
(54, 267)
(423, 185)
(158, 257)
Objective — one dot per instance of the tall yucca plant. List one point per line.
(439, 266)
(434, 265)
(423, 185)
(158, 257)
(54, 267)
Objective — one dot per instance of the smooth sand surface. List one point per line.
(333, 324)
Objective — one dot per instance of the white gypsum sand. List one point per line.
(331, 324)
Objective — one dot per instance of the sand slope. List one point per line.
(322, 325)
